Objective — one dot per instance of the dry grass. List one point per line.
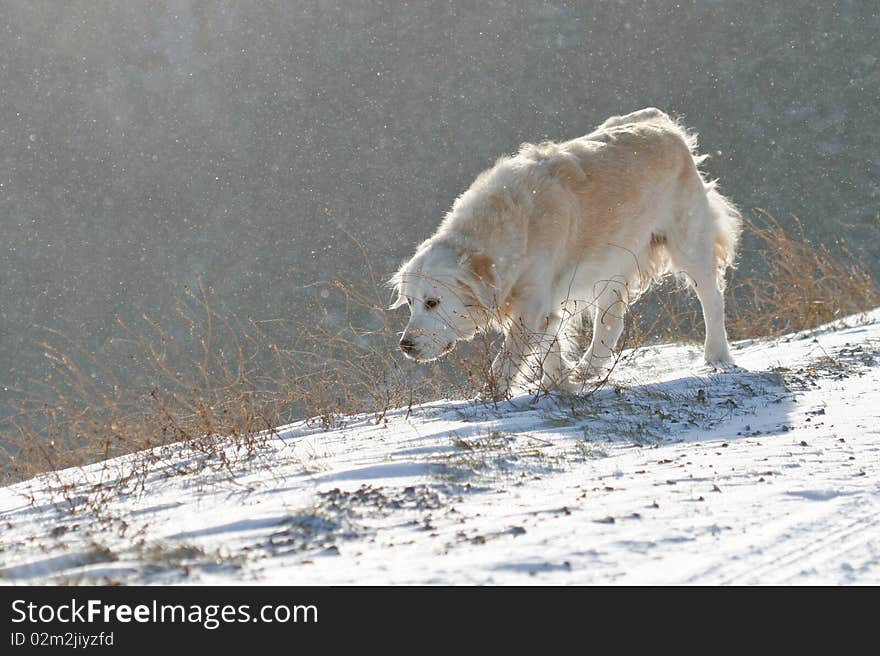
(798, 285)
(217, 388)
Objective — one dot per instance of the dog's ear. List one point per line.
(481, 285)
(468, 295)
(481, 266)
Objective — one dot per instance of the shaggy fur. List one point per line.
(561, 231)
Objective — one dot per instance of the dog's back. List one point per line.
(639, 189)
(640, 116)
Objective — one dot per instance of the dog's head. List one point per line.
(449, 294)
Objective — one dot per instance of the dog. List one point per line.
(563, 230)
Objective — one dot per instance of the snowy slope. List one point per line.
(671, 474)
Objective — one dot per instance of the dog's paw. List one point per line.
(558, 382)
(727, 367)
(588, 377)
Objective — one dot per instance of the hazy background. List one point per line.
(145, 144)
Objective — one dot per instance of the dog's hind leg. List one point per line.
(716, 349)
(703, 256)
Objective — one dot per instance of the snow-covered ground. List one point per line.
(671, 474)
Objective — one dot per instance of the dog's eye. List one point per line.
(431, 303)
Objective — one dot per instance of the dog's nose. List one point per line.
(407, 345)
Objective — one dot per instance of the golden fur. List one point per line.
(563, 229)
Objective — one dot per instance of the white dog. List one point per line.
(561, 229)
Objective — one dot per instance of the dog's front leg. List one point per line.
(508, 363)
(551, 367)
(600, 357)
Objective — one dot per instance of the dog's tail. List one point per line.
(724, 214)
(728, 227)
